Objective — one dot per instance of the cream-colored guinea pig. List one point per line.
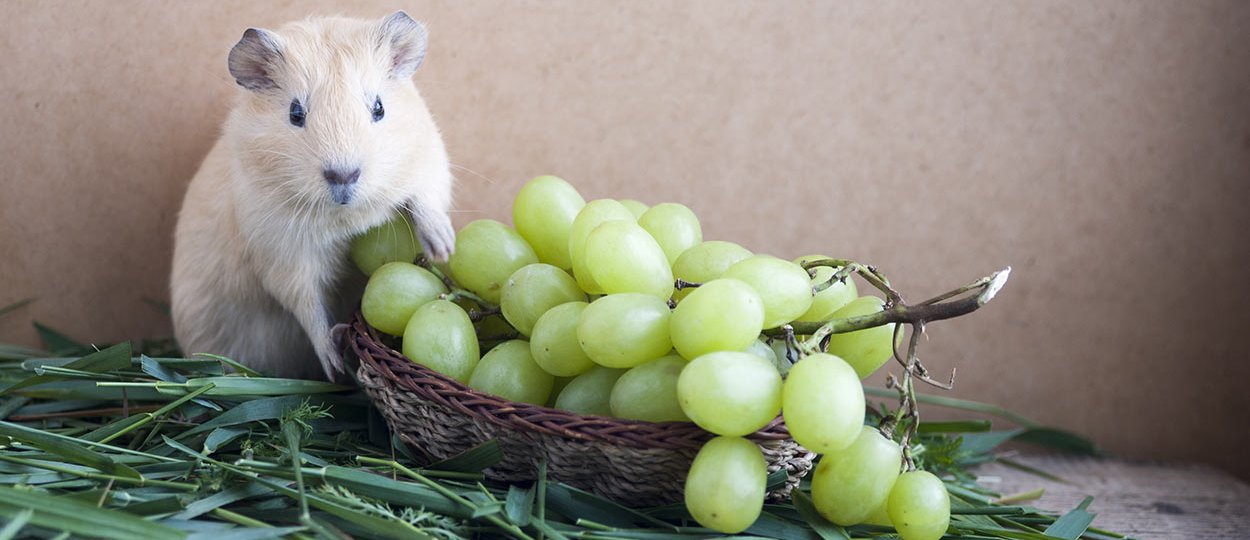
(327, 138)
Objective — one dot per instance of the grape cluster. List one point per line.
(613, 308)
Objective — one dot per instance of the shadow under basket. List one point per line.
(632, 462)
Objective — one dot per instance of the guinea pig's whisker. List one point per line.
(488, 179)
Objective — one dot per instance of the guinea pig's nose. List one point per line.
(341, 177)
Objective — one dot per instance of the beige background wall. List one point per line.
(1101, 148)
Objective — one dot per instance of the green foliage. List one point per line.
(115, 443)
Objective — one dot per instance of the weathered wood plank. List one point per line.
(1144, 500)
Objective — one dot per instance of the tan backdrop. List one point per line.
(1102, 149)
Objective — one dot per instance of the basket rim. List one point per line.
(395, 369)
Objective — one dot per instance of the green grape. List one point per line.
(623, 258)
(395, 291)
(554, 341)
(543, 213)
(729, 392)
(725, 487)
(674, 227)
(625, 330)
(705, 262)
(649, 392)
(508, 371)
(762, 350)
(487, 252)
(721, 315)
(785, 287)
(392, 241)
(919, 506)
(440, 336)
(778, 346)
(867, 349)
(850, 483)
(532, 290)
(879, 516)
(595, 213)
(829, 300)
(823, 403)
(590, 392)
(637, 208)
(634, 206)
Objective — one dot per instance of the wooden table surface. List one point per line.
(1143, 500)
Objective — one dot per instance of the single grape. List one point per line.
(867, 349)
(590, 392)
(395, 291)
(729, 392)
(440, 336)
(595, 213)
(879, 516)
(508, 371)
(761, 349)
(721, 315)
(625, 330)
(850, 483)
(637, 208)
(705, 262)
(674, 227)
(623, 258)
(783, 363)
(487, 252)
(785, 287)
(532, 290)
(725, 487)
(831, 299)
(392, 241)
(554, 341)
(823, 403)
(543, 213)
(919, 506)
(649, 392)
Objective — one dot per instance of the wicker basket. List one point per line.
(632, 462)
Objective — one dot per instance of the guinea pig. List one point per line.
(328, 137)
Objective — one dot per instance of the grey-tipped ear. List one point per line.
(254, 59)
(404, 39)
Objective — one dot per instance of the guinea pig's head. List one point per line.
(331, 117)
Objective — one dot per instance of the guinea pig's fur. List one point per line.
(260, 270)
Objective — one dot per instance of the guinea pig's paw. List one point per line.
(332, 364)
(438, 237)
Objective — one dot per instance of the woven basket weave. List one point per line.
(632, 462)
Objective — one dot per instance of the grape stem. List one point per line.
(455, 290)
(960, 301)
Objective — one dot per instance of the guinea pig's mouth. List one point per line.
(342, 194)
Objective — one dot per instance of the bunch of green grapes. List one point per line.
(576, 306)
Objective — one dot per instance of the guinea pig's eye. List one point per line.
(378, 111)
(297, 113)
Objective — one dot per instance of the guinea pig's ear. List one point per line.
(405, 39)
(254, 59)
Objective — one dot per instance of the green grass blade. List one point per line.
(822, 527)
(473, 460)
(520, 505)
(15, 525)
(956, 403)
(76, 517)
(59, 343)
(1073, 524)
(110, 359)
(67, 448)
(222, 498)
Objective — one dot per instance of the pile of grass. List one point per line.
(138, 443)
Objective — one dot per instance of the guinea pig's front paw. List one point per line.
(438, 237)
